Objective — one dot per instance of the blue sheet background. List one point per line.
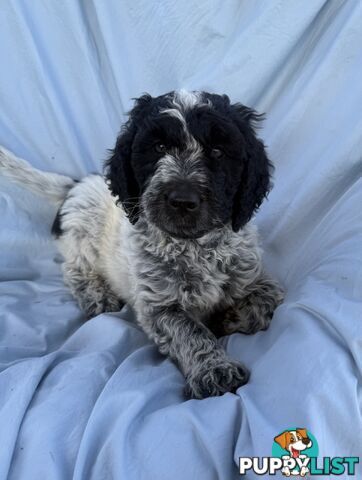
(95, 400)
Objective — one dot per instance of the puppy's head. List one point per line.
(189, 162)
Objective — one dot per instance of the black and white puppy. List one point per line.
(168, 230)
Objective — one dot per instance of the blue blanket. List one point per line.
(95, 400)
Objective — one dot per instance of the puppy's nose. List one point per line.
(306, 440)
(184, 199)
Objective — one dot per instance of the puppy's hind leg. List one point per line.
(92, 292)
(254, 311)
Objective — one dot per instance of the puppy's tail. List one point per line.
(51, 185)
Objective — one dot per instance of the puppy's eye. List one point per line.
(216, 153)
(160, 148)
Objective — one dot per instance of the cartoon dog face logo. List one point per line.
(294, 442)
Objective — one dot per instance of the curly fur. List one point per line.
(191, 267)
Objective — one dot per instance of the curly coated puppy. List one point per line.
(168, 230)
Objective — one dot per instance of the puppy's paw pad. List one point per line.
(217, 379)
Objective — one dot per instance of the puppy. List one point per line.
(168, 230)
(294, 441)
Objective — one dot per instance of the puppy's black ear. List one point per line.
(119, 173)
(255, 180)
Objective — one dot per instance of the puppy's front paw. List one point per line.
(216, 378)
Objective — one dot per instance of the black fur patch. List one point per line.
(57, 225)
(56, 229)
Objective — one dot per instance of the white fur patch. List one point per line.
(176, 113)
(185, 99)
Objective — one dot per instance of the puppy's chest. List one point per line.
(194, 279)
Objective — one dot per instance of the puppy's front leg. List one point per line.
(194, 348)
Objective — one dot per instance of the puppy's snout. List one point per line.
(184, 199)
(306, 441)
